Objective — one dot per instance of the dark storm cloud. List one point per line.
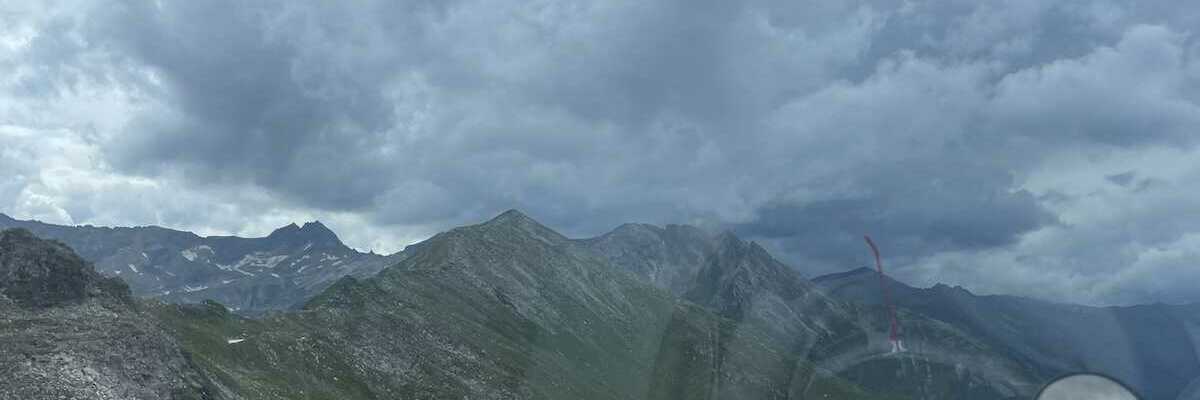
(253, 100)
(917, 217)
(949, 129)
(1122, 179)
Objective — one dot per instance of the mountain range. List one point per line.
(510, 309)
(249, 275)
(1155, 348)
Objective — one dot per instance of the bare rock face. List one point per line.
(38, 273)
(68, 333)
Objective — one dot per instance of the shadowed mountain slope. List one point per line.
(1153, 348)
(67, 332)
(742, 282)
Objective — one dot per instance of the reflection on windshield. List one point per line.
(1086, 387)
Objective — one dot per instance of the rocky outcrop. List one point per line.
(68, 333)
(38, 273)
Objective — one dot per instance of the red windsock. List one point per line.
(887, 299)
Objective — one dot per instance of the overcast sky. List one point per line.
(1028, 147)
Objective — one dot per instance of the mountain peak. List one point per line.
(516, 220)
(284, 230)
(312, 232)
(844, 274)
(633, 230)
(728, 241)
(951, 289)
(315, 227)
(636, 227)
(509, 217)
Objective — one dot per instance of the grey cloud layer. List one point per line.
(994, 145)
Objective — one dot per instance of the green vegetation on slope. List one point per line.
(502, 310)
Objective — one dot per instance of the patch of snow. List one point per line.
(301, 270)
(257, 260)
(145, 256)
(193, 253)
(274, 274)
(232, 341)
(134, 269)
(306, 247)
(273, 261)
(226, 282)
(190, 289)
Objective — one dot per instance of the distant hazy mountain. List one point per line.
(68, 333)
(741, 281)
(668, 258)
(1153, 348)
(249, 275)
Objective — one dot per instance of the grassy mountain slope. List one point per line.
(507, 309)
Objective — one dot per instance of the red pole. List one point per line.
(887, 299)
